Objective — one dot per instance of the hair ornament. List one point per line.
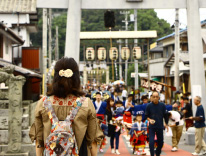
(66, 73)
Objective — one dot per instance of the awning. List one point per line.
(117, 35)
(156, 79)
(143, 75)
(25, 72)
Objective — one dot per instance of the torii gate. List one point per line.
(74, 7)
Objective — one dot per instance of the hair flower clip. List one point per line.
(66, 73)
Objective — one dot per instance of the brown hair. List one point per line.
(108, 104)
(63, 86)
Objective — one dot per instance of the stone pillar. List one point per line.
(197, 73)
(15, 114)
(73, 29)
(85, 76)
(107, 75)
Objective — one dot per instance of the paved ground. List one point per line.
(126, 150)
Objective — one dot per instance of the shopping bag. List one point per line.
(169, 132)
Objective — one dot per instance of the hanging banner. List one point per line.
(155, 85)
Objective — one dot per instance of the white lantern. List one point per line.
(101, 53)
(90, 53)
(137, 53)
(125, 53)
(113, 53)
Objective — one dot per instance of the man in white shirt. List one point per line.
(124, 94)
(176, 125)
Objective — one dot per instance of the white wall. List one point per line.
(7, 49)
(10, 19)
(157, 69)
(25, 36)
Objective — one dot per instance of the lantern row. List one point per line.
(113, 53)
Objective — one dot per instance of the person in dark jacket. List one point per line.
(155, 113)
(187, 111)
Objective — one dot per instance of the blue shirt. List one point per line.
(102, 108)
(135, 128)
(200, 113)
(139, 109)
(156, 112)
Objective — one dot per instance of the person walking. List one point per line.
(124, 94)
(155, 113)
(199, 127)
(176, 127)
(110, 116)
(115, 97)
(65, 98)
(187, 110)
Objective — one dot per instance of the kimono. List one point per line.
(101, 109)
(127, 117)
(139, 141)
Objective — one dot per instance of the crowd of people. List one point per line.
(145, 121)
(71, 121)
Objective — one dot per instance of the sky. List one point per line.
(169, 16)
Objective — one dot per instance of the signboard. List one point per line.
(154, 86)
(133, 75)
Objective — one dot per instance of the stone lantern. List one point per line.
(90, 54)
(101, 53)
(125, 53)
(113, 53)
(137, 53)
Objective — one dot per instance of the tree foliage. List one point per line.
(93, 20)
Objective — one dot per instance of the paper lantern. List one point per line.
(125, 53)
(113, 53)
(137, 53)
(101, 53)
(90, 53)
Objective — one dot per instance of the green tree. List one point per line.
(93, 20)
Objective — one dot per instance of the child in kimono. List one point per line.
(138, 135)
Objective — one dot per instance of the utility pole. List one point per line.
(148, 65)
(135, 44)
(57, 44)
(177, 49)
(44, 47)
(120, 59)
(50, 40)
(115, 66)
(126, 13)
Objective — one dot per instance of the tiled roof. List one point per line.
(20, 6)
(23, 71)
(158, 48)
(181, 31)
